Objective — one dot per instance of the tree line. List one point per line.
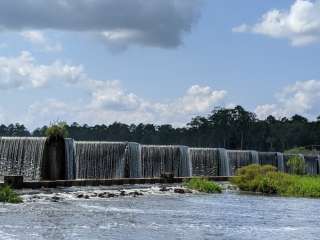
(232, 128)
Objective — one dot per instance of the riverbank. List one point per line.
(265, 179)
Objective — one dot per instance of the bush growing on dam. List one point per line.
(203, 185)
(7, 195)
(265, 179)
(57, 130)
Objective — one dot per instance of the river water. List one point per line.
(159, 215)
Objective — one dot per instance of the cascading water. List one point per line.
(185, 164)
(22, 156)
(281, 166)
(311, 162)
(241, 158)
(161, 159)
(255, 157)
(70, 159)
(268, 158)
(133, 160)
(205, 161)
(100, 160)
(224, 163)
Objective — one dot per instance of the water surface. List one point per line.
(162, 216)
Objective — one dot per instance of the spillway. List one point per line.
(312, 166)
(106, 160)
(70, 159)
(22, 156)
(241, 158)
(205, 161)
(59, 159)
(162, 159)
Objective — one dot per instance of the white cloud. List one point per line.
(23, 71)
(110, 102)
(300, 98)
(300, 24)
(39, 39)
(110, 95)
(241, 28)
(102, 101)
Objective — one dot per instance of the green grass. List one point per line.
(203, 185)
(7, 195)
(265, 179)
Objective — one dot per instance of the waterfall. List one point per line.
(160, 159)
(241, 158)
(269, 158)
(22, 156)
(133, 160)
(281, 167)
(70, 159)
(255, 157)
(225, 167)
(100, 160)
(205, 161)
(311, 162)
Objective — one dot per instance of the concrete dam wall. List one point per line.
(65, 159)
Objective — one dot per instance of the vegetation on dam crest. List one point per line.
(265, 179)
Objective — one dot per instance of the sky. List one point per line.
(156, 61)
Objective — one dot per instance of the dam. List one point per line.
(49, 159)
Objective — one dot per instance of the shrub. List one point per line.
(7, 195)
(296, 165)
(249, 178)
(265, 179)
(57, 130)
(203, 185)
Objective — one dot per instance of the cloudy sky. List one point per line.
(159, 61)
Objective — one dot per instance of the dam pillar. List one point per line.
(54, 163)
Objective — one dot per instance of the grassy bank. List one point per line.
(7, 195)
(203, 185)
(266, 179)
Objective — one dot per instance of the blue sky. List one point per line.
(163, 61)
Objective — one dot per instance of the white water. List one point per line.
(225, 167)
(205, 161)
(281, 166)
(21, 156)
(70, 158)
(100, 160)
(161, 159)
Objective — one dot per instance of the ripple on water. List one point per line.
(168, 216)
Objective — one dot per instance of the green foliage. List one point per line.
(265, 179)
(57, 130)
(298, 150)
(251, 178)
(7, 195)
(296, 165)
(203, 185)
(231, 128)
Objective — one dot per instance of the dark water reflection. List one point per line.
(225, 216)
